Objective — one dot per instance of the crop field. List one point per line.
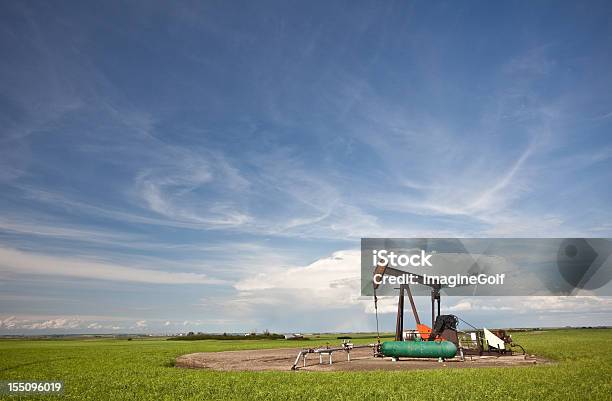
(103, 369)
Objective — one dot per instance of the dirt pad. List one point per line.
(361, 359)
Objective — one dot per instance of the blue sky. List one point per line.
(212, 166)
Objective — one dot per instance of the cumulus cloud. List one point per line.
(533, 304)
(333, 284)
(331, 279)
(9, 323)
(54, 323)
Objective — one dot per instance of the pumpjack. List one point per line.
(443, 327)
(440, 341)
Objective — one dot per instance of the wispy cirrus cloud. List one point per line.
(233, 143)
(18, 262)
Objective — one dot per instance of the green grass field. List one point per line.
(142, 370)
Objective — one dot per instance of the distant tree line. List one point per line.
(252, 336)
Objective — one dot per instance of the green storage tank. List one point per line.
(419, 349)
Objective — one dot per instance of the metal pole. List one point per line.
(433, 310)
(399, 324)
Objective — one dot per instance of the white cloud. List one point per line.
(9, 322)
(460, 306)
(71, 324)
(168, 190)
(18, 262)
(56, 324)
(332, 284)
(332, 279)
(30, 227)
(14, 323)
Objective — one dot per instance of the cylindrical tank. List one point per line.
(419, 349)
